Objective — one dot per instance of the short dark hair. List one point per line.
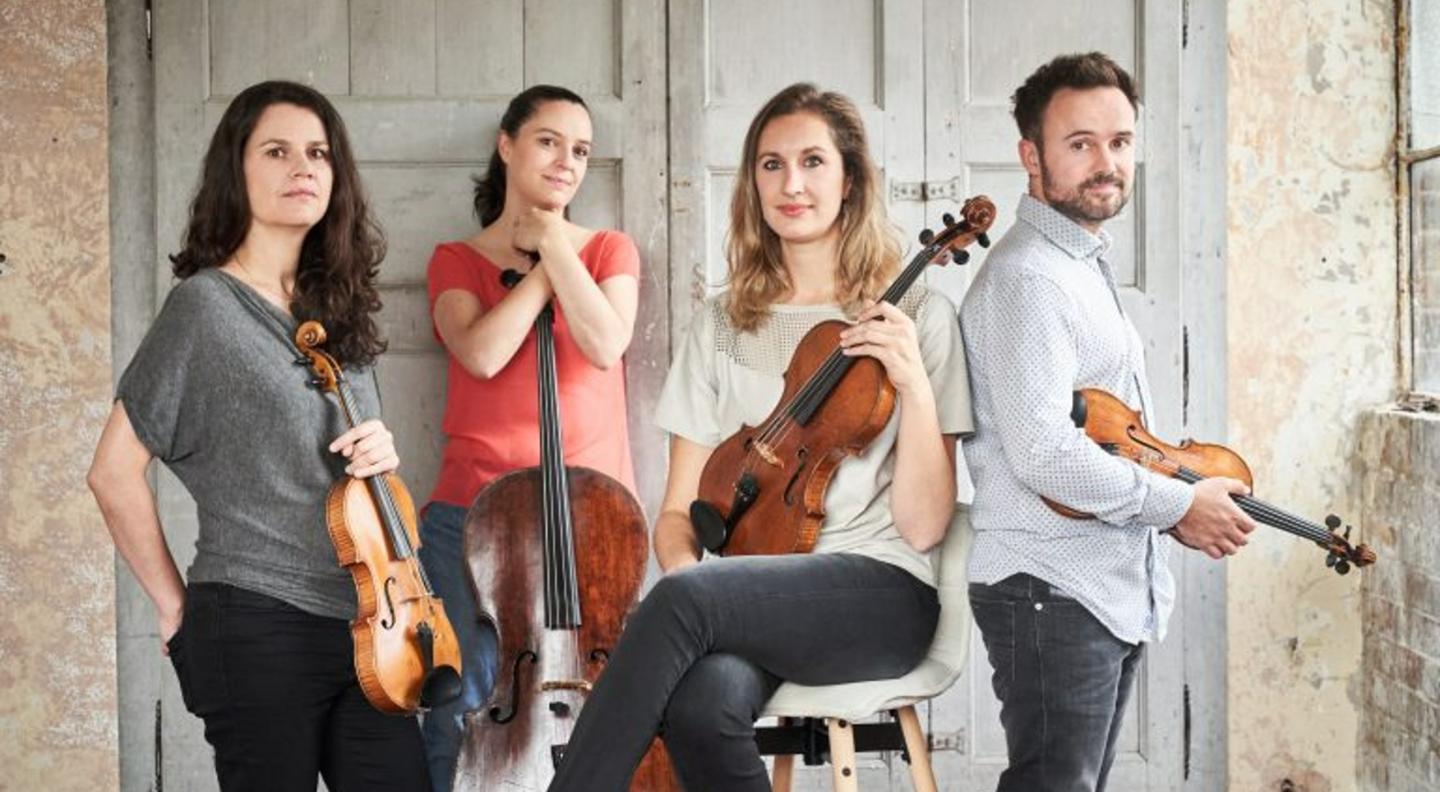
(1087, 70)
(490, 188)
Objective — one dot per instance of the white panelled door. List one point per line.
(672, 87)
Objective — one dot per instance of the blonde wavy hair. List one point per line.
(869, 245)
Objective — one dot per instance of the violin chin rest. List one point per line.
(710, 527)
(440, 686)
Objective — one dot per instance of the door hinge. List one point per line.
(149, 31)
(947, 190)
(159, 750)
(1185, 375)
(1187, 731)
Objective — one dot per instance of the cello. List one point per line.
(555, 556)
(762, 491)
(406, 655)
(1120, 431)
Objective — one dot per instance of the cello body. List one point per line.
(555, 556)
(544, 673)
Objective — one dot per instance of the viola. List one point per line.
(556, 556)
(1121, 431)
(762, 491)
(406, 655)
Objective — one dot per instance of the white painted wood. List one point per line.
(421, 85)
(979, 53)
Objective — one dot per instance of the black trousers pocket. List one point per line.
(197, 654)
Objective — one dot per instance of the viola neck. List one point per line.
(820, 385)
(1273, 516)
(562, 598)
(379, 485)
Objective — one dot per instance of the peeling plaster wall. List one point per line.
(1312, 342)
(57, 576)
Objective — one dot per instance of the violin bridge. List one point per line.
(768, 454)
(566, 684)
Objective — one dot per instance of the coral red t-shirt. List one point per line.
(493, 426)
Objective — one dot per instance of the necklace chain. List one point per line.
(254, 282)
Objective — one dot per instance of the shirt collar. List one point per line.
(1062, 232)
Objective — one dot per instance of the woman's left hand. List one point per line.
(534, 226)
(370, 448)
(885, 333)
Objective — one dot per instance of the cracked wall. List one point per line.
(57, 573)
(1311, 311)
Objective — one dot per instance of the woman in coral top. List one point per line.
(491, 410)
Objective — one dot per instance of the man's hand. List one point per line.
(1214, 525)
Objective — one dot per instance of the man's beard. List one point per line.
(1076, 205)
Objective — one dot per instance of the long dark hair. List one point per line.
(340, 256)
(490, 188)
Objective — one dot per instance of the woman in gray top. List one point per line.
(279, 233)
(809, 241)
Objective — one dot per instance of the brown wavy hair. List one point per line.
(340, 257)
(869, 245)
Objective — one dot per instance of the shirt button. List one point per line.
(1039, 606)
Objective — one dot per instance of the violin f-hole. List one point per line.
(389, 620)
(799, 470)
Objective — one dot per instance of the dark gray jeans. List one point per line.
(707, 647)
(1062, 679)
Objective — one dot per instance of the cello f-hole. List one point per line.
(495, 712)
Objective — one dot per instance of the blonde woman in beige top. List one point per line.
(708, 646)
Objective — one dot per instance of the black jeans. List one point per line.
(277, 690)
(707, 647)
(1062, 679)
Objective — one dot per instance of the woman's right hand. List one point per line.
(169, 625)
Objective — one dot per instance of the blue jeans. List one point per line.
(1062, 679)
(442, 551)
(705, 649)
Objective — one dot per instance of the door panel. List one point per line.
(421, 85)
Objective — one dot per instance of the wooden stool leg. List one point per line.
(842, 755)
(784, 774)
(921, 774)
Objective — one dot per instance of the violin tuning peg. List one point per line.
(949, 219)
(983, 239)
(961, 257)
(927, 236)
(1342, 567)
(1331, 560)
(1332, 522)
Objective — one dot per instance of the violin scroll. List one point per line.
(309, 336)
(1342, 554)
(976, 217)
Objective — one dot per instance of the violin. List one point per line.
(406, 655)
(1120, 431)
(762, 491)
(556, 555)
